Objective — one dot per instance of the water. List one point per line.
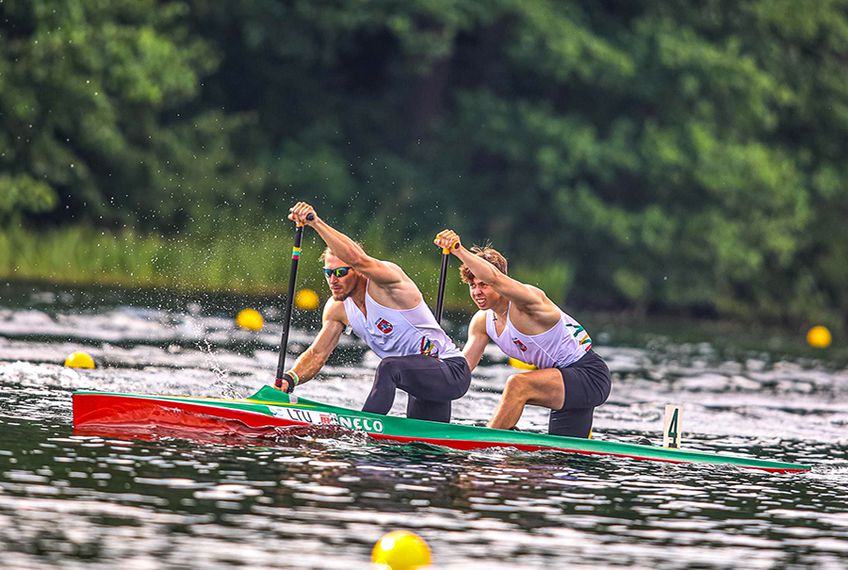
(321, 499)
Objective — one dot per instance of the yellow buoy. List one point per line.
(401, 550)
(249, 319)
(306, 299)
(818, 337)
(79, 360)
(521, 365)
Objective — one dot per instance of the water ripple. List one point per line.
(162, 501)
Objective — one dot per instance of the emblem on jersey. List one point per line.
(385, 326)
(519, 344)
(427, 348)
(582, 337)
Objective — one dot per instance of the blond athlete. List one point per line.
(571, 379)
(385, 309)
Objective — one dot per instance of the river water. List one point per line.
(321, 500)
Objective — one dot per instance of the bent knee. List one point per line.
(518, 386)
(390, 365)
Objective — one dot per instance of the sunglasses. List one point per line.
(338, 272)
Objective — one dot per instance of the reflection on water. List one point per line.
(320, 499)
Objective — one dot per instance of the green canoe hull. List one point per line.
(270, 408)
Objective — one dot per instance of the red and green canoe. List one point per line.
(269, 408)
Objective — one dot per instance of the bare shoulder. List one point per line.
(398, 292)
(394, 267)
(534, 313)
(334, 311)
(478, 322)
(538, 292)
(535, 301)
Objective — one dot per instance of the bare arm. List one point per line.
(477, 340)
(381, 273)
(527, 298)
(310, 362)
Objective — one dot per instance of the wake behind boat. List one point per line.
(269, 408)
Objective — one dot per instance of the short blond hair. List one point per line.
(488, 253)
(327, 250)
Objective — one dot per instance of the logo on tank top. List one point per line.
(581, 336)
(385, 326)
(427, 348)
(519, 344)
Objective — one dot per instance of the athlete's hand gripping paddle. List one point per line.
(446, 251)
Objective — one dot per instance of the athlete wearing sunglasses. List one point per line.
(337, 271)
(386, 310)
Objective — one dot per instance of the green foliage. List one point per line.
(96, 105)
(676, 155)
(22, 193)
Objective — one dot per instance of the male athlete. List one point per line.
(571, 379)
(385, 309)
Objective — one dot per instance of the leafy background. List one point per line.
(675, 156)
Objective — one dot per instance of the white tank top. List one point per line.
(563, 344)
(396, 332)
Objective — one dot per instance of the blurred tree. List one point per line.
(96, 108)
(677, 155)
(20, 194)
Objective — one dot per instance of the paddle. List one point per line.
(298, 237)
(440, 298)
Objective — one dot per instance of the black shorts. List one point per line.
(587, 385)
(430, 382)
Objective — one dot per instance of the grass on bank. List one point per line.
(249, 261)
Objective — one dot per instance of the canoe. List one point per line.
(269, 408)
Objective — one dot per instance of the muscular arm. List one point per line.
(477, 340)
(531, 308)
(527, 298)
(310, 362)
(397, 287)
(381, 273)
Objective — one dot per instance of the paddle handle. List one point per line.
(443, 274)
(284, 340)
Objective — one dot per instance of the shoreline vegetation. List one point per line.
(652, 159)
(252, 265)
(253, 262)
